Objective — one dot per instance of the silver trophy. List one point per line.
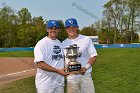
(72, 54)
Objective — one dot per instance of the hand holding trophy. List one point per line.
(73, 67)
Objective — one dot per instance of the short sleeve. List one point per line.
(39, 53)
(91, 49)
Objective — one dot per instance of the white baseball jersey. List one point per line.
(49, 51)
(86, 49)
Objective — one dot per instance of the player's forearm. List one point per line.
(90, 62)
(46, 67)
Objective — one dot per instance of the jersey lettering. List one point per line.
(57, 53)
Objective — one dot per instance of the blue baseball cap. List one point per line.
(71, 22)
(52, 23)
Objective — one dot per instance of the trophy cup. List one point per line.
(72, 53)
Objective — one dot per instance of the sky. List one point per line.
(86, 12)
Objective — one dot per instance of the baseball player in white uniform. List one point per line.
(50, 62)
(80, 83)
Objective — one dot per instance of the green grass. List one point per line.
(116, 71)
(17, 54)
(21, 86)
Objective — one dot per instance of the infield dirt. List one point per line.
(15, 68)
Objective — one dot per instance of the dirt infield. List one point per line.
(15, 68)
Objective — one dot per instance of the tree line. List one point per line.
(121, 21)
(120, 24)
(21, 29)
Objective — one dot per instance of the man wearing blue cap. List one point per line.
(50, 62)
(80, 83)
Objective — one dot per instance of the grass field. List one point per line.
(116, 71)
(17, 54)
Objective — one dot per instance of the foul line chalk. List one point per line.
(16, 73)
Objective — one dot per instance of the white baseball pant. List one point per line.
(82, 84)
(49, 90)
